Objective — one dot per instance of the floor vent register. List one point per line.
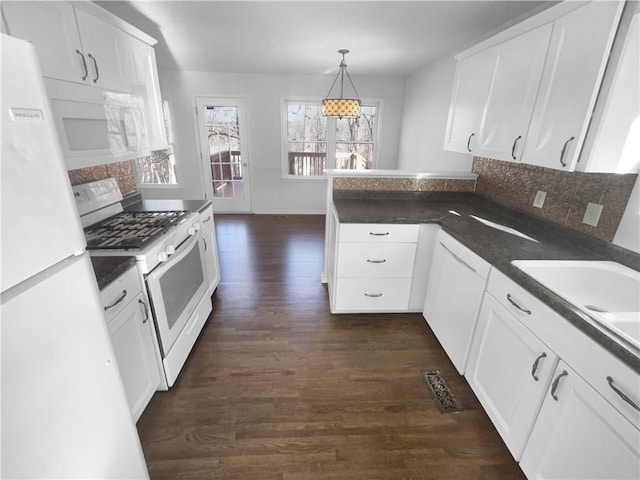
(443, 397)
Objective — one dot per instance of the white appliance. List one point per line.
(171, 258)
(96, 125)
(64, 410)
(456, 285)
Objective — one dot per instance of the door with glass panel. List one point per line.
(222, 128)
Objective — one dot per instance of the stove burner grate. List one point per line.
(130, 230)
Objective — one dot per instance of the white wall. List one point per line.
(628, 234)
(424, 120)
(271, 193)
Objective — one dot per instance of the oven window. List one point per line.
(179, 284)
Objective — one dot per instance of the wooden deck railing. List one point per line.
(306, 163)
(225, 166)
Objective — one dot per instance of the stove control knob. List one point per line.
(196, 226)
(170, 250)
(163, 257)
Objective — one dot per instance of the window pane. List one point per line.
(361, 129)
(306, 123)
(354, 156)
(306, 135)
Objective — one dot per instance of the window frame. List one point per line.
(331, 141)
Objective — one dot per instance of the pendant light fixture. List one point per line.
(341, 107)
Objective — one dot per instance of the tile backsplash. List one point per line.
(515, 185)
(401, 184)
(121, 171)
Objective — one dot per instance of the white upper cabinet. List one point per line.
(72, 45)
(144, 79)
(105, 51)
(51, 27)
(527, 93)
(516, 77)
(577, 57)
(470, 90)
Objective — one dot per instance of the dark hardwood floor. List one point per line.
(278, 388)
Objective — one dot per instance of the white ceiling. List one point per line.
(303, 37)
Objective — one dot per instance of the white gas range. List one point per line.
(176, 258)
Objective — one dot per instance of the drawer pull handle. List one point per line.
(373, 295)
(512, 302)
(564, 150)
(84, 65)
(554, 387)
(376, 261)
(120, 298)
(95, 66)
(379, 234)
(622, 395)
(534, 368)
(469, 142)
(146, 311)
(513, 148)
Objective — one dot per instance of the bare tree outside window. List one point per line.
(159, 168)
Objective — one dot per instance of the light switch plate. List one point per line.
(538, 202)
(592, 214)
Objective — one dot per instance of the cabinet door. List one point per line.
(573, 70)
(144, 78)
(51, 27)
(210, 248)
(471, 88)
(509, 370)
(578, 434)
(105, 51)
(518, 68)
(132, 339)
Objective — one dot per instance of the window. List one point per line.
(314, 142)
(159, 168)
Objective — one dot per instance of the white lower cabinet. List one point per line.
(565, 407)
(509, 371)
(579, 435)
(133, 339)
(372, 267)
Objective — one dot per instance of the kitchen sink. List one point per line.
(503, 228)
(606, 291)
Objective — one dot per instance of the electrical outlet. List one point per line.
(538, 202)
(592, 214)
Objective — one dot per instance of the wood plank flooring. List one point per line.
(278, 388)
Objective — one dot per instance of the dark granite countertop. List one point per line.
(496, 247)
(107, 269)
(166, 205)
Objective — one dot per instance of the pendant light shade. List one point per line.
(341, 107)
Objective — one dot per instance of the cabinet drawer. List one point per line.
(376, 259)
(378, 232)
(520, 303)
(120, 292)
(372, 294)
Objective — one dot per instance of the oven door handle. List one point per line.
(182, 252)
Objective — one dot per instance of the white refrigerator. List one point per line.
(64, 410)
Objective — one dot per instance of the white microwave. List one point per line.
(97, 126)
